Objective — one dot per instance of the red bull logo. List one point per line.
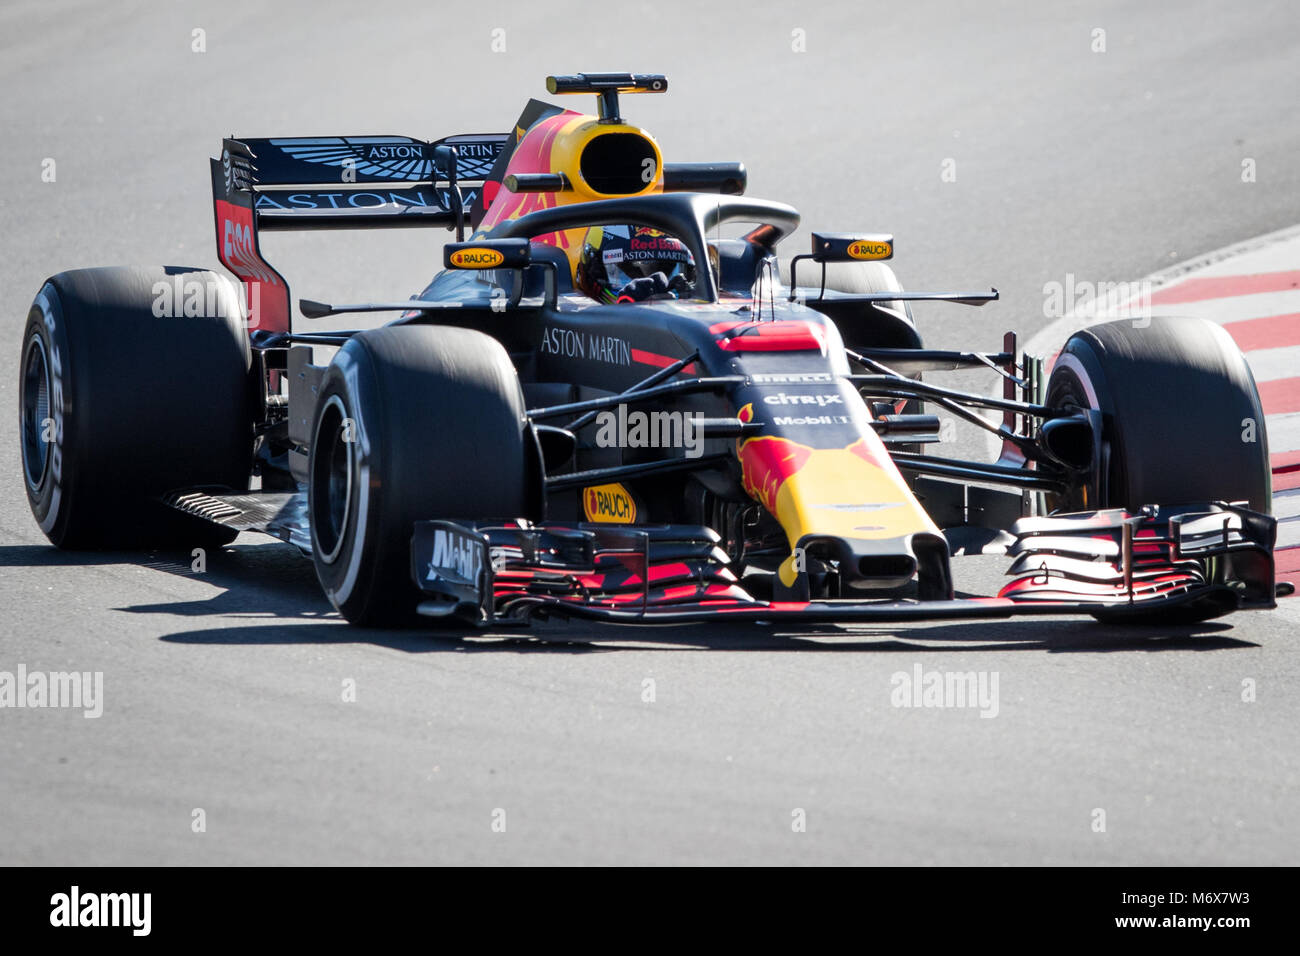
(766, 463)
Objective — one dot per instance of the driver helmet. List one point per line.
(631, 263)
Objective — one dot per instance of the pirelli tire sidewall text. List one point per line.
(49, 482)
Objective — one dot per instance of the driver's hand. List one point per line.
(638, 290)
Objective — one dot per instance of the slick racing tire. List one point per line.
(413, 422)
(123, 398)
(1182, 421)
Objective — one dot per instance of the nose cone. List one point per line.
(850, 504)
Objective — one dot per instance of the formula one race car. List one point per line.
(609, 406)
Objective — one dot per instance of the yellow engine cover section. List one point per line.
(556, 145)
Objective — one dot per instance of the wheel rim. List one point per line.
(1076, 389)
(35, 413)
(334, 448)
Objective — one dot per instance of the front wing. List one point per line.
(1188, 562)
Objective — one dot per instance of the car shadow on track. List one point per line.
(262, 580)
(274, 581)
(1055, 637)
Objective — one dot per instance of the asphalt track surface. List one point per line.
(223, 691)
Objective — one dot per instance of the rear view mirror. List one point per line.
(844, 247)
(851, 247)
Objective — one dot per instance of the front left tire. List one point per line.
(413, 422)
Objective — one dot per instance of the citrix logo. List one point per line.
(821, 401)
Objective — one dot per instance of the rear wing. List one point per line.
(336, 182)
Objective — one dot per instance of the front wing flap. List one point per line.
(1204, 560)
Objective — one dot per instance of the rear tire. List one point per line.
(414, 422)
(118, 406)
